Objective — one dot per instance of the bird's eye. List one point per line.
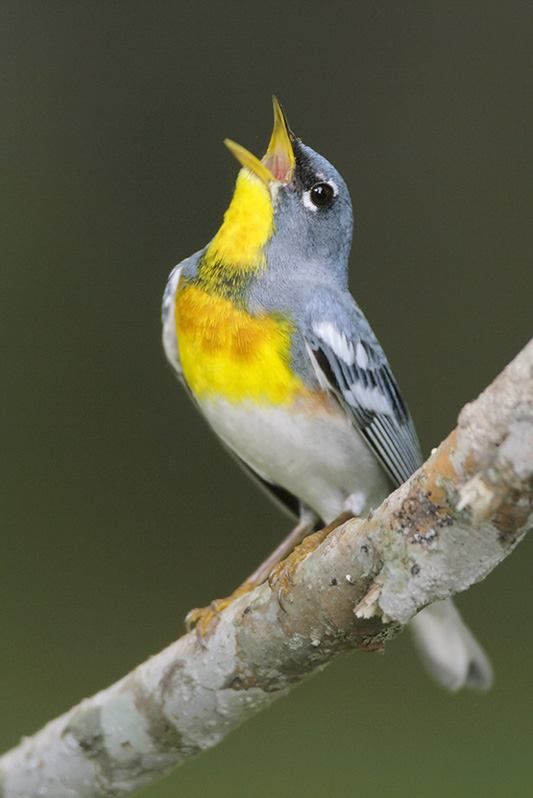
(322, 195)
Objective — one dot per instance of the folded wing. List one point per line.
(355, 369)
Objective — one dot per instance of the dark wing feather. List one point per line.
(360, 377)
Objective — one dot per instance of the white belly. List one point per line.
(320, 458)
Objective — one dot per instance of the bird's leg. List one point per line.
(300, 542)
(301, 531)
(203, 618)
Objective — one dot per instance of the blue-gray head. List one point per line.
(313, 213)
(310, 226)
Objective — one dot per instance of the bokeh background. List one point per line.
(119, 511)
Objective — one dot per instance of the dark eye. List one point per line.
(322, 195)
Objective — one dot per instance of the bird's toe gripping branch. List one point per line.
(279, 577)
(205, 619)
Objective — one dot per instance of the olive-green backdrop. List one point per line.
(119, 511)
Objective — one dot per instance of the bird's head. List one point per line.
(292, 207)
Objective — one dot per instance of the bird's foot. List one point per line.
(281, 577)
(205, 619)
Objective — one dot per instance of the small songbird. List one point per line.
(263, 332)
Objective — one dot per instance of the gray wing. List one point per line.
(349, 362)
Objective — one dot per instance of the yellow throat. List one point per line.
(248, 224)
(226, 352)
(238, 247)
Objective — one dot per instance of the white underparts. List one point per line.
(316, 454)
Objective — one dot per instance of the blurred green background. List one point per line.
(119, 509)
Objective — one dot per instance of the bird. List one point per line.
(263, 332)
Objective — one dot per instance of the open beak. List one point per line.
(278, 162)
(279, 157)
(250, 161)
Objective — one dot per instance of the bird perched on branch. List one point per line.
(262, 330)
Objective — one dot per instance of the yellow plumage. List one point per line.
(247, 226)
(225, 352)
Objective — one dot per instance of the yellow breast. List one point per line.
(226, 352)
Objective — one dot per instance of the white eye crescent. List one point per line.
(320, 196)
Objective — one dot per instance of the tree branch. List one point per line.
(457, 517)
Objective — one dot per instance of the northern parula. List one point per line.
(262, 330)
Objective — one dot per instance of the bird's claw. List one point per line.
(205, 619)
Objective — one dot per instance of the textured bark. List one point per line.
(457, 517)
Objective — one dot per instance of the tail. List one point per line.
(448, 648)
